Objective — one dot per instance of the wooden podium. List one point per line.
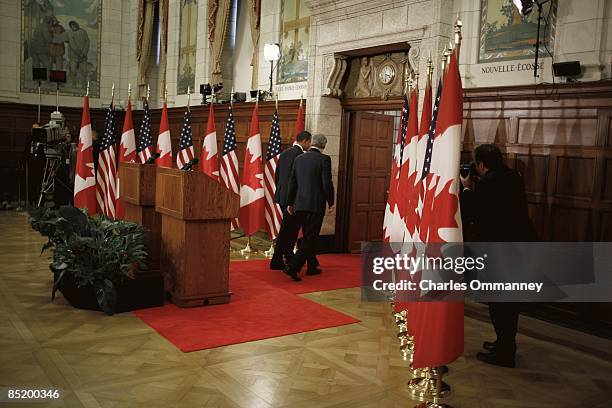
(196, 215)
(138, 194)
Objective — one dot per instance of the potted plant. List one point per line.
(94, 260)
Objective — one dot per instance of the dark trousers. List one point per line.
(310, 222)
(286, 239)
(504, 317)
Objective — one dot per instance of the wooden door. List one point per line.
(371, 140)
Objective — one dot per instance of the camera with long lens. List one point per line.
(468, 169)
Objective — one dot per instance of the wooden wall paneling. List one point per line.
(606, 179)
(344, 183)
(575, 177)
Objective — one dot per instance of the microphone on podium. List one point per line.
(151, 159)
(189, 165)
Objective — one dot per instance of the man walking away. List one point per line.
(289, 230)
(310, 189)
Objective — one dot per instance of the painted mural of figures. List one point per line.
(62, 35)
(56, 47)
(38, 10)
(78, 48)
(39, 43)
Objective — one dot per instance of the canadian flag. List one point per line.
(407, 199)
(209, 160)
(252, 201)
(164, 145)
(393, 231)
(84, 177)
(127, 153)
(439, 336)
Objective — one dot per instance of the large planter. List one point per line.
(140, 293)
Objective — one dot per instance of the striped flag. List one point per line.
(185, 153)
(84, 177)
(299, 123)
(425, 175)
(127, 152)
(252, 201)
(145, 141)
(273, 212)
(164, 145)
(228, 170)
(106, 190)
(209, 161)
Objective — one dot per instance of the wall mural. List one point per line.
(62, 35)
(506, 35)
(187, 46)
(293, 66)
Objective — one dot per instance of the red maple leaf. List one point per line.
(408, 198)
(438, 210)
(253, 172)
(392, 198)
(84, 170)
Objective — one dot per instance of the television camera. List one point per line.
(51, 140)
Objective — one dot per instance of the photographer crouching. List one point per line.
(494, 209)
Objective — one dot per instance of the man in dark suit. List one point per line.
(310, 189)
(496, 208)
(289, 230)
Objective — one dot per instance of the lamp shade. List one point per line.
(272, 52)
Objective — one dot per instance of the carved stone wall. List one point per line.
(337, 27)
(368, 76)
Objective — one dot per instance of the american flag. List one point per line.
(106, 191)
(185, 153)
(427, 179)
(273, 212)
(145, 141)
(404, 128)
(432, 133)
(229, 160)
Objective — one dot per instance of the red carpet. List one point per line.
(264, 304)
(339, 272)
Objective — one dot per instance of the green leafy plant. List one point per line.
(94, 250)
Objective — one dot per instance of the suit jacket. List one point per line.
(310, 185)
(497, 208)
(283, 173)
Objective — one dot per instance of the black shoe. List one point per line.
(314, 271)
(489, 345)
(292, 274)
(277, 265)
(494, 359)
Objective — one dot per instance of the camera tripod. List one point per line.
(54, 155)
(52, 165)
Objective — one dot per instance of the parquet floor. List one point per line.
(118, 361)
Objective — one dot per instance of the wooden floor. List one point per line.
(119, 361)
